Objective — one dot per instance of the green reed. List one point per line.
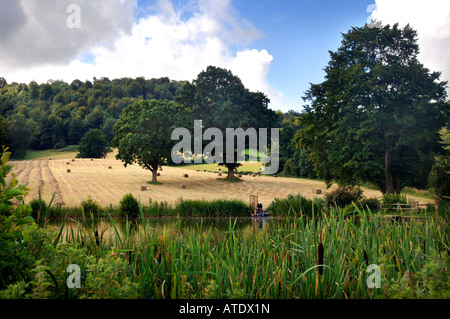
(301, 257)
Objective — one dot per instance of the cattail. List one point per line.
(366, 258)
(96, 239)
(320, 251)
(320, 258)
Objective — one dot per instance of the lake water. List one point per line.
(170, 225)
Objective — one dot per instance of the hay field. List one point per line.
(107, 186)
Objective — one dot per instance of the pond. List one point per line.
(217, 227)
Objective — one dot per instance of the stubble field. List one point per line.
(107, 180)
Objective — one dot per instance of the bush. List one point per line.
(296, 205)
(394, 199)
(343, 196)
(91, 207)
(219, 207)
(372, 204)
(93, 144)
(38, 207)
(129, 205)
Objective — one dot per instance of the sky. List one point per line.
(277, 47)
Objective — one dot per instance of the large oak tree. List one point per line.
(220, 100)
(377, 115)
(143, 133)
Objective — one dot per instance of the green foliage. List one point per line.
(394, 199)
(14, 217)
(129, 205)
(373, 204)
(296, 205)
(38, 206)
(343, 196)
(19, 134)
(140, 141)
(93, 144)
(108, 279)
(366, 122)
(58, 114)
(431, 282)
(90, 206)
(220, 100)
(439, 177)
(214, 208)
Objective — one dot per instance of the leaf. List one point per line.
(25, 220)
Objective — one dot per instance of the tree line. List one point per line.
(55, 114)
(378, 117)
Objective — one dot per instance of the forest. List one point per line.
(379, 118)
(56, 114)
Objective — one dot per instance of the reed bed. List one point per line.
(183, 208)
(326, 257)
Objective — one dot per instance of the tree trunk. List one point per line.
(230, 171)
(397, 185)
(154, 174)
(390, 189)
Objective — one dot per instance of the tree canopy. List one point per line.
(377, 115)
(57, 113)
(143, 133)
(93, 144)
(220, 100)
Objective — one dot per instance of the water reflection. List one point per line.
(216, 227)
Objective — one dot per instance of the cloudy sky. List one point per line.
(274, 46)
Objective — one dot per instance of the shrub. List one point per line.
(129, 205)
(394, 199)
(343, 196)
(219, 207)
(38, 206)
(91, 207)
(295, 205)
(373, 204)
(93, 144)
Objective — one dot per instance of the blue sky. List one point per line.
(298, 34)
(276, 47)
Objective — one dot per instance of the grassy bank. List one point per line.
(317, 258)
(182, 208)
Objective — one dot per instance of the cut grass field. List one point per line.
(107, 181)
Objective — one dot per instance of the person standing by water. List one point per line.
(259, 208)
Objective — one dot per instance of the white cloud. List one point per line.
(163, 43)
(431, 19)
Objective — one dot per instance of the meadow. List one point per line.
(312, 252)
(107, 181)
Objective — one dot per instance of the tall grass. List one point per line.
(323, 257)
(185, 208)
(295, 206)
